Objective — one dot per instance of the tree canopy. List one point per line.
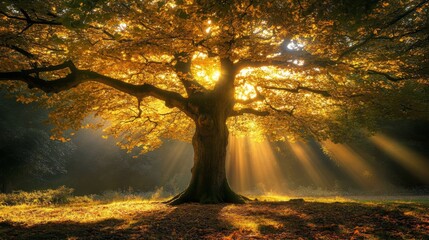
(295, 68)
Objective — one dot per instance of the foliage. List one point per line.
(117, 196)
(64, 195)
(295, 68)
(60, 195)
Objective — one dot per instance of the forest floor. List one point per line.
(317, 218)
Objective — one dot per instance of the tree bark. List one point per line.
(208, 183)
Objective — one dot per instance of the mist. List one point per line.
(393, 161)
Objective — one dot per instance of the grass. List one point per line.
(60, 195)
(272, 217)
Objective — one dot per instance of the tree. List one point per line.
(199, 69)
(27, 154)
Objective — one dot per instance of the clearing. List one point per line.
(333, 218)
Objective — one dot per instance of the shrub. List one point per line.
(60, 195)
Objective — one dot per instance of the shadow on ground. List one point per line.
(256, 220)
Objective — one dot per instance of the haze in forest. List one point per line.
(92, 165)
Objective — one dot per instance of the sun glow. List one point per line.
(294, 45)
(121, 27)
(206, 70)
(245, 92)
(215, 76)
(266, 73)
(245, 72)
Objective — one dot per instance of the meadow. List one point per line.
(57, 214)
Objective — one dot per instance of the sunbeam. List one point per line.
(253, 166)
(176, 153)
(310, 162)
(407, 158)
(354, 164)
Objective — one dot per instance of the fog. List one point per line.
(396, 160)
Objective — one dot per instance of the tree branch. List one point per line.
(268, 62)
(228, 72)
(242, 111)
(77, 77)
(406, 13)
(290, 112)
(415, 74)
(19, 50)
(355, 47)
(386, 75)
(259, 97)
(250, 100)
(30, 21)
(323, 93)
(386, 25)
(183, 70)
(309, 60)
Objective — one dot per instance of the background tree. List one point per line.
(27, 154)
(149, 70)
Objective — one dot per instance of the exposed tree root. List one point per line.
(226, 195)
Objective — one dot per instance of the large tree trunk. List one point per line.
(209, 183)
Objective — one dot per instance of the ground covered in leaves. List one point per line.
(139, 219)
